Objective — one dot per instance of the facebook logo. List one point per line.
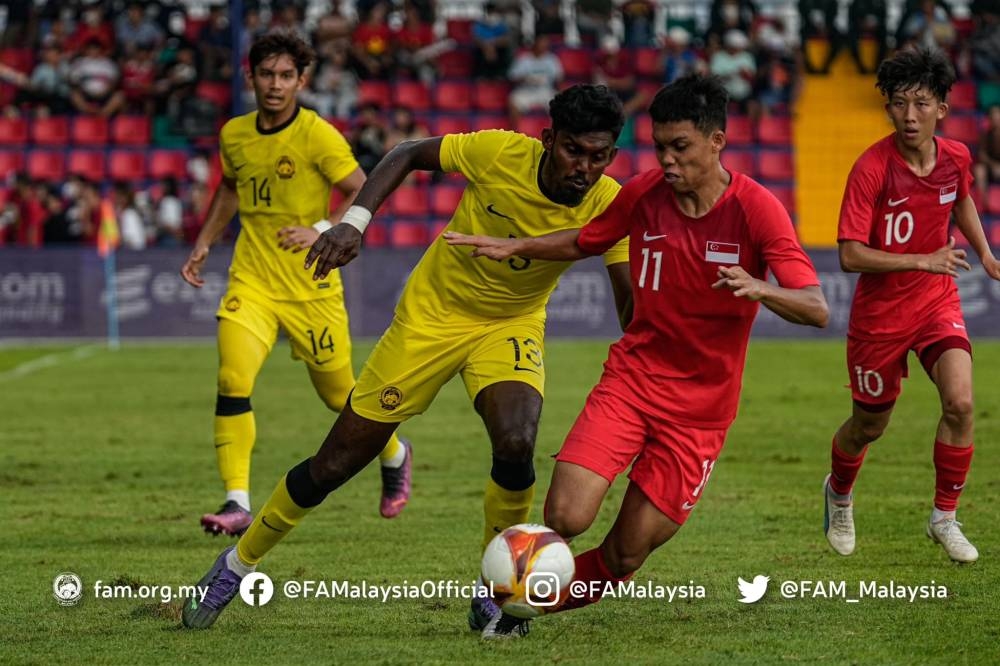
(256, 589)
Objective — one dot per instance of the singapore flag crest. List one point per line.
(722, 253)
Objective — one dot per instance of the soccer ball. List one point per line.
(530, 568)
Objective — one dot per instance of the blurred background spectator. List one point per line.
(492, 42)
(535, 76)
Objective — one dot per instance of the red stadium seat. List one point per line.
(444, 199)
(375, 92)
(409, 201)
(88, 163)
(647, 63)
(219, 93)
(127, 165)
(642, 131)
(739, 131)
(490, 95)
(646, 160)
(483, 121)
(51, 131)
(409, 234)
(21, 59)
(412, 94)
(532, 125)
(13, 131)
(963, 96)
(453, 96)
(774, 130)
(456, 64)
(46, 165)
(993, 200)
(994, 232)
(89, 130)
(130, 130)
(622, 167)
(437, 228)
(11, 162)
(740, 161)
(377, 234)
(577, 64)
(164, 163)
(965, 128)
(442, 125)
(775, 165)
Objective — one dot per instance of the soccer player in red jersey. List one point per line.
(893, 230)
(702, 240)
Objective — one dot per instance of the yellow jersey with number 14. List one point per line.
(284, 177)
(502, 199)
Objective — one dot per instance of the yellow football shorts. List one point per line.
(410, 364)
(317, 330)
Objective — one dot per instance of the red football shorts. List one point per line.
(672, 462)
(877, 367)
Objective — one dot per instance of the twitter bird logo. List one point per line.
(752, 592)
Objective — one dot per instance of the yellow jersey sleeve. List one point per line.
(331, 153)
(474, 155)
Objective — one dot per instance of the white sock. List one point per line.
(241, 497)
(396, 461)
(234, 562)
(937, 515)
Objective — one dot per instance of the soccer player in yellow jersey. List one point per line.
(457, 316)
(278, 166)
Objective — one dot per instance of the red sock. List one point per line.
(845, 469)
(952, 465)
(591, 568)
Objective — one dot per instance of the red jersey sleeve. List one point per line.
(614, 224)
(864, 184)
(965, 167)
(776, 242)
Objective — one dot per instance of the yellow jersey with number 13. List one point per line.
(284, 177)
(502, 199)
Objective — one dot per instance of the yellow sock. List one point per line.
(392, 449)
(503, 508)
(234, 438)
(276, 519)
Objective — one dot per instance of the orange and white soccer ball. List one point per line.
(530, 568)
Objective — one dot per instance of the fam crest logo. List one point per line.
(67, 588)
(233, 303)
(285, 167)
(390, 398)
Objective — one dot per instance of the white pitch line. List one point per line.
(48, 361)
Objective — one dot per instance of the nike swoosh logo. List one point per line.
(219, 446)
(687, 506)
(237, 168)
(646, 237)
(957, 487)
(493, 211)
(263, 519)
(319, 362)
(897, 202)
(954, 325)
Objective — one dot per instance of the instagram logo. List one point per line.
(541, 588)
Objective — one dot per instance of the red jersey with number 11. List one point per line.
(889, 208)
(684, 350)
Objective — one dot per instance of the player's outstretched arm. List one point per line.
(339, 245)
(806, 305)
(557, 246)
(968, 222)
(856, 257)
(225, 203)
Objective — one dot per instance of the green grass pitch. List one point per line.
(107, 464)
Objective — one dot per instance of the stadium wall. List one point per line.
(60, 293)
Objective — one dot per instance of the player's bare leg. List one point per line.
(850, 444)
(352, 443)
(574, 498)
(952, 373)
(510, 411)
(396, 457)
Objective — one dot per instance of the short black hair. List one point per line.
(913, 68)
(587, 108)
(282, 43)
(695, 97)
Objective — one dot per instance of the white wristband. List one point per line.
(358, 217)
(323, 225)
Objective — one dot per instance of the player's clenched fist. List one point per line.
(741, 283)
(334, 248)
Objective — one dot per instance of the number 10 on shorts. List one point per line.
(869, 382)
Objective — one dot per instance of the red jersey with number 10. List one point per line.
(889, 208)
(684, 350)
